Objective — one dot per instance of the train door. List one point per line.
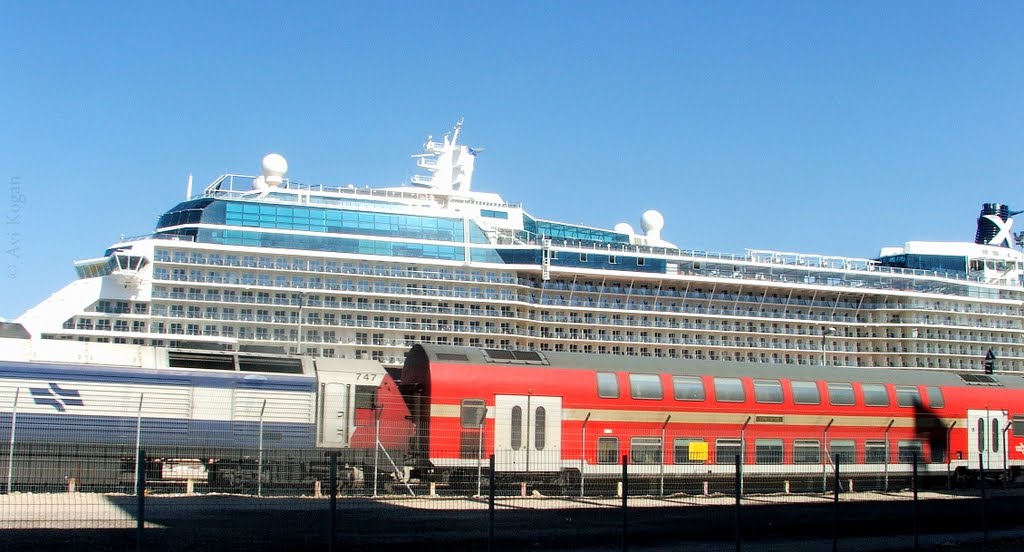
(986, 439)
(527, 433)
(334, 427)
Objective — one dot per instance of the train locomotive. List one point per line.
(220, 418)
(558, 418)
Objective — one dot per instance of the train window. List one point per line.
(875, 452)
(729, 390)
(539, 422)
(906, 451)
(806, 451)
(875, 394)
(995, 435)
(688, 388)
(645, 450)
(768, 451)
(840, 394)
(938, 450)
(366, 396)
(473, 412)
(1018, 426)
(690, 450)
(843, 451)
(607, 450)
(981, 433)
(805, 392)
(935, 399)
(516, 437)
(768, 391)
(908, 395)
(645, 386)
(607, 385)
(726, 451)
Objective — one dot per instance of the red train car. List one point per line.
(562, 416)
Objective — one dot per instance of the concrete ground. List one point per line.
(866, 521)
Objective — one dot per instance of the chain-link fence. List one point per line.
(478, 486)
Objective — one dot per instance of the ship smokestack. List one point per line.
(994, 225)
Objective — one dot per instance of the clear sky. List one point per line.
(818, 127)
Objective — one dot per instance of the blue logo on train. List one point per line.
(57, 397)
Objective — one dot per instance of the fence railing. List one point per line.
(250, 497)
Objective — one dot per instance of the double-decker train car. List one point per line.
(197, 414)
(553, 416)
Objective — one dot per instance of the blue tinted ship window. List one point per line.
(483, 255)
(554, 230)
(476, 235)
(188, 212)
(332, 244)
(493, 214)
(311, 219)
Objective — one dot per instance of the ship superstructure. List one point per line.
(262, 261)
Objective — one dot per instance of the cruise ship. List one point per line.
(265, 263)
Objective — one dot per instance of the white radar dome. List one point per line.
(624, 228)
(652, 222)
(273, 168)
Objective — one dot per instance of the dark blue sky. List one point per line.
(819, 127)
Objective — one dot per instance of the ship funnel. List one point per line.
(994, 225)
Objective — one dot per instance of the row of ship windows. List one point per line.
(588, 319)
(317, 265)
(262, 334)
(315, 300)
(331, 266)
(333, 284)
(474, 326)
(394, 323)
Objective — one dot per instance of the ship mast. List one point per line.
(450, 164)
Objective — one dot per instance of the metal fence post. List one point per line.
(140, 498)
(739, 495)
(490, 507)
(583, 451)
(625, 503)
(10, 450)
(333, 501)
(138, 439)
(984, 505)
(259, 467)
(835, 508)
(914, 485)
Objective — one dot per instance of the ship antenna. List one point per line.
(188, 189)
(458, 127)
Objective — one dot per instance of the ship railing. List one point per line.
(155, 236)
(804, 264)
